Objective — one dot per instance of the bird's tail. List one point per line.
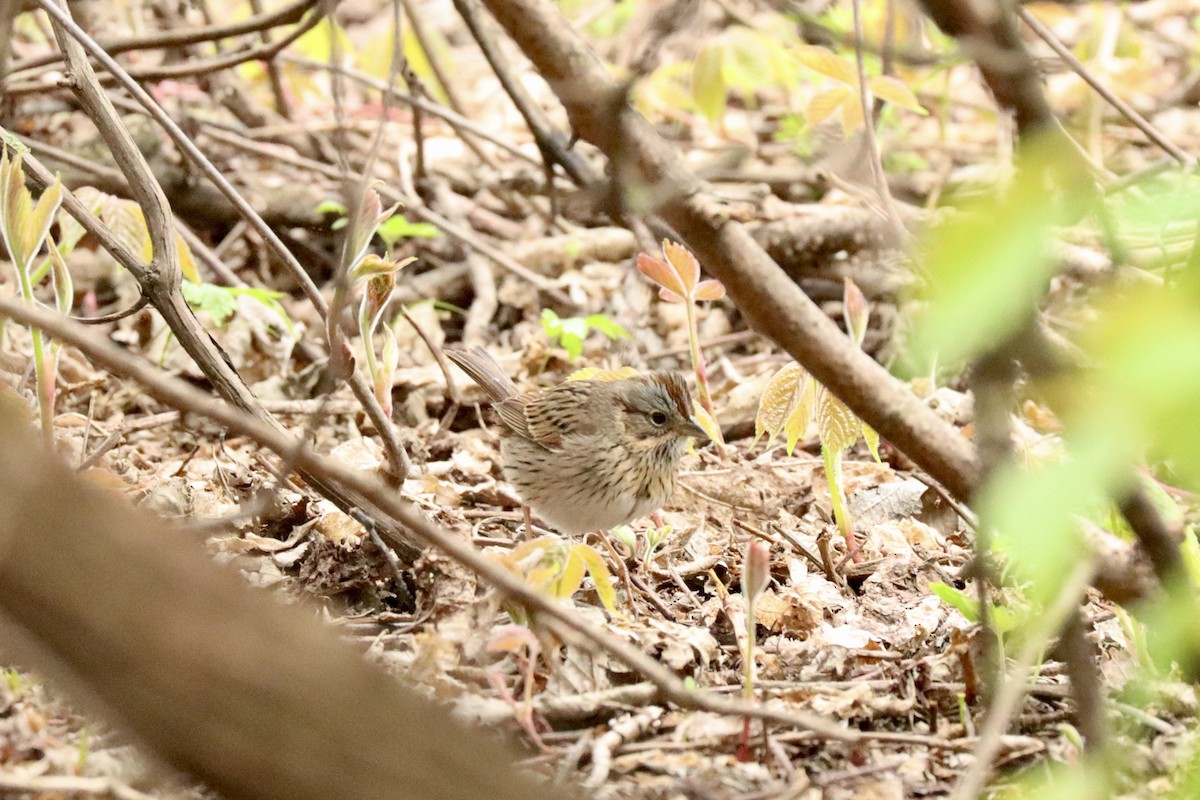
(483, 369)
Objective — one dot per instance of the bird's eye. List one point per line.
(658, 417)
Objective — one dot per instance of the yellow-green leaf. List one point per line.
(888, 88)
(541, 578)
(571, 577)
(777, 401)
(187, 263)
(708, 83)
(852, 114)
(600, 576)
(64, 286)
(824, 104)
(597, 374)
(706, 421)
(418, 60)
(525, 549)
(836, 424)
(43, 216)
(802, 412)
(828, 64)
(872, 440)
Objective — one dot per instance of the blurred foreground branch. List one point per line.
(251, 696)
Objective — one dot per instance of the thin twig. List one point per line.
(1129, 112)
(461, 125)
(397, 455)
(1016, 683)
(452, 394)
(414, 206)
(181, 36)
(872, 146)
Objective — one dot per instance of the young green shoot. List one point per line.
(376, 276)
(756, 574)
(25, 226)
(793, 399)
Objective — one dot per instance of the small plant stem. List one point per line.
(700, 366)
(45, 384)
(622, 570)
(749, 667)
(368, 340)
(751, 643)
(833, 474)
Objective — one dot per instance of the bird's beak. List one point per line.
(692, 428)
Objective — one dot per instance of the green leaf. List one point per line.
(753, 60)
(1034, 511)
(574, 331)
(802, 413)
(216, 301)
(330, 207)
(872, 440)
(397, 227)
(837, 426)
(778, 399)
(954, 598)
(220, 302)
(572, 343)
(607, 326)
(613, 19)
(551, 323)
(623, 534)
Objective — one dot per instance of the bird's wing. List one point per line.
(564, 410)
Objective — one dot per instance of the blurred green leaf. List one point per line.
(397, 227)
(606, 325)
(220, 302)
(551, 323)
(1059, 782)
(1144, 391)
(1034, 511)
(988, 266)
(571, 332)
(1160, 200)
(574, 331)
(967, 606)
(330, 207)
(613, 20)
